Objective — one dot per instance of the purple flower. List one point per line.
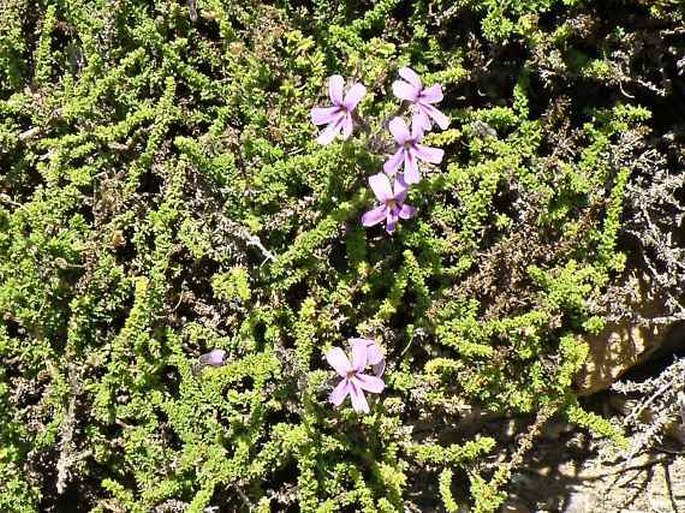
(339, 116)
(409, 151)
(353, 382)
(374, 355)
(392, 206)
(215, 358)
(411, 89)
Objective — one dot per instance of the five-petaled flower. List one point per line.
(354, 381)
(392, 206)
(409, 151)
(339, 116)
(423, 112)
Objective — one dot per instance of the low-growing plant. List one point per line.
(178, 254)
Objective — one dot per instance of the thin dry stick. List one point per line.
(253, 240)
(503, 474)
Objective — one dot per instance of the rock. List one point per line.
(580, 502)
(625, 344)
(614, 351)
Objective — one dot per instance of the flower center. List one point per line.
(391, 204)
(351, 374)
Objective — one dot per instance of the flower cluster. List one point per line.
(354, 382)
(391, 186)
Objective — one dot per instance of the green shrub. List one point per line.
(162, 195)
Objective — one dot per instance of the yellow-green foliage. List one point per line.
(161, 194)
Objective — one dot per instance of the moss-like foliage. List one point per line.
(161, 194)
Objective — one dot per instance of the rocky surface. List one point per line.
(571, 474)
(630, 341)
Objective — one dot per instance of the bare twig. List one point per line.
(254, 240)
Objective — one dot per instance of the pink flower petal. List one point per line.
(324, 115)
(416, 132)
(432, 94)
(338, 360)
(400, 188)
(380, 184)
(336, 83)
(373, 353)
(407, 212)
(440, 119)
(405, 91)
(340, 392)
(328, 134)
(379, 368)
(411, 168)
(354, 340)
(369, 383)
(429, 154)
(420, 118)
(354, 96)
(374, 216)
(394, 162)
(215, 358)
(410, 76)
(347, 126)
(359, 355)
(358, 400)
(398, 129)
(391, 221)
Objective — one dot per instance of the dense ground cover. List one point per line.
(162, 194)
